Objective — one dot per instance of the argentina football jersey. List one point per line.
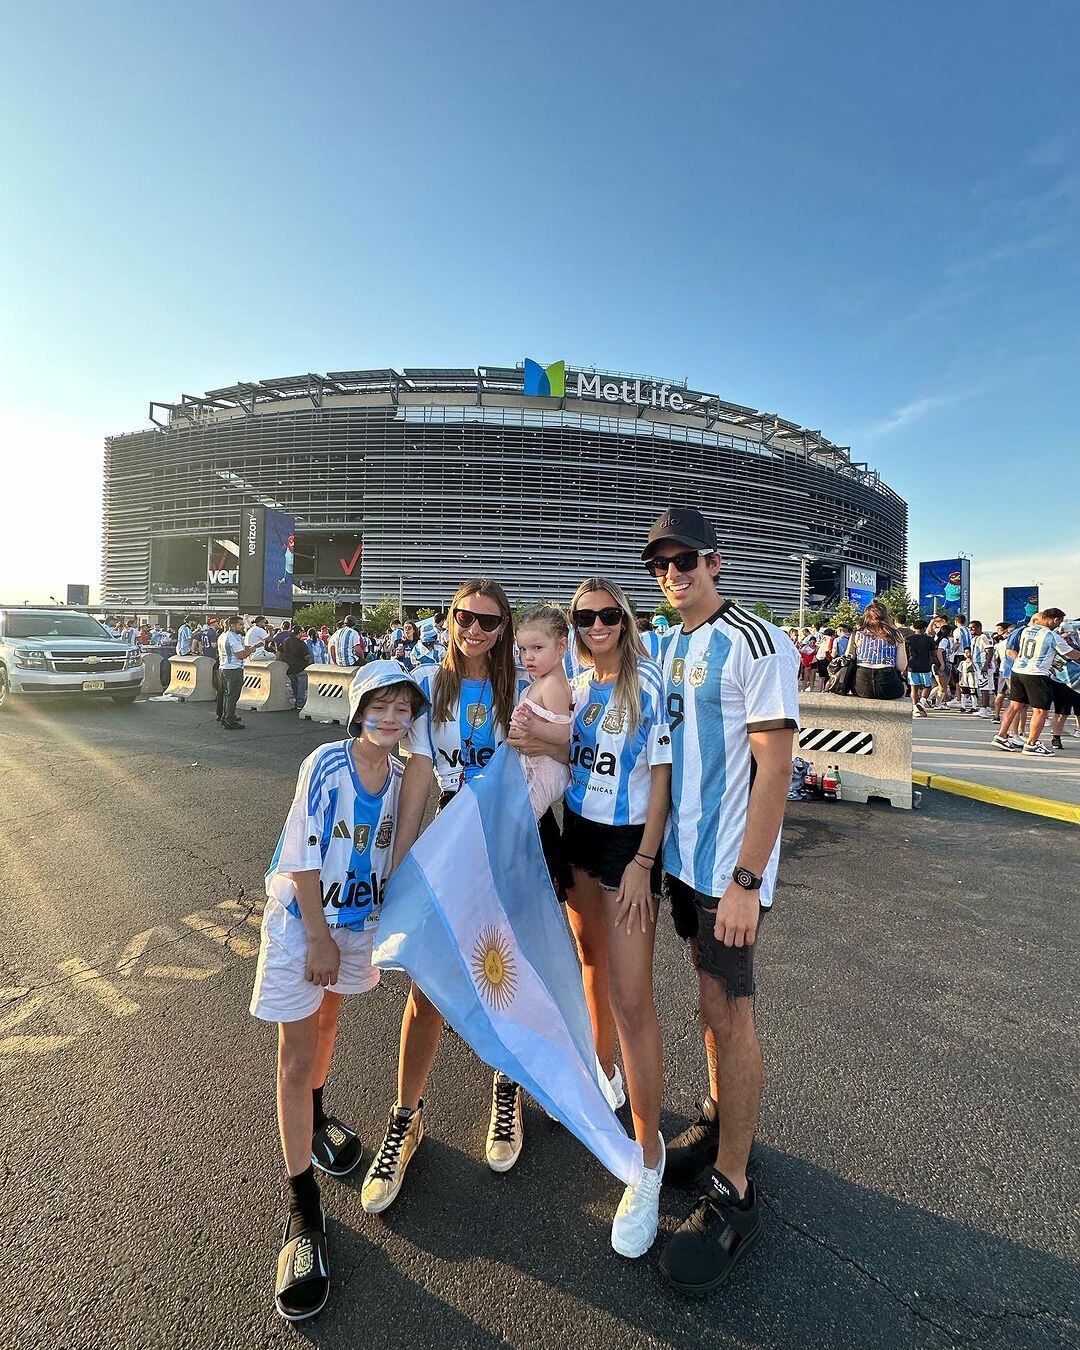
(465, 744)
(338, 828)
(610, 766)
(732, 675)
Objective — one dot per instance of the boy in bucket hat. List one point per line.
(428, 651)
(324, 892)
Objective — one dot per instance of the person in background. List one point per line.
(232, 652)
(823, 654)
(941, 634)
(183, 637)
(293, 650)
(344, 645)
(279, 637)
(843, 637)
(320, 656)
(982, 661)
(256, 636)
(880, 655)
(428, 651)
(919, 647)
(143, 638)
(1030, 684)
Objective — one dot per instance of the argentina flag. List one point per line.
(470, 914)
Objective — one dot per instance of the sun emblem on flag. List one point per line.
(493, 968)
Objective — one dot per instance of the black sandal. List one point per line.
(335, 1149)
(303, 1273)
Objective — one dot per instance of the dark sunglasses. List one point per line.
(465, 618)
(683, 562)
(609, 616)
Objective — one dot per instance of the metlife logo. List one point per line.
(550, 382)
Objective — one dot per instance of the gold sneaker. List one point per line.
(404, 1131)
(506, 1132)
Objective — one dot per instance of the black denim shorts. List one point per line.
(694, 916)
(603, 851)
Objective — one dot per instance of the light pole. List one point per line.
(804, 560)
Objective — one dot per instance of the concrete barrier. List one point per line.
(151, 675)
(328, 694)
(192, 679)
(869, 739)
(266, 687)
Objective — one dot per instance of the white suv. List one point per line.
(49, 651)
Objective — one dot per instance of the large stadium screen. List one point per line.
(945, 586)
(338, 559)
(279, 550)
(1019, 603)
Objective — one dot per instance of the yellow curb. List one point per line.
(1015, 801)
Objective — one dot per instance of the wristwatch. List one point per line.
(742, 876)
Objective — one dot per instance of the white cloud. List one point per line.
(910, 412)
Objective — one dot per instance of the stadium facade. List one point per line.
(403, 483)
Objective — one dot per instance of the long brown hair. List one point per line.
(627, 691)
(446, 691)
(877, 623)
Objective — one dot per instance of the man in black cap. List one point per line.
(731, 682)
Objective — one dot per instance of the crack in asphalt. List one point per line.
(958, 1338)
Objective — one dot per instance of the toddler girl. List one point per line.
(544, 710)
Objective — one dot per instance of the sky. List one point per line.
(863, 217)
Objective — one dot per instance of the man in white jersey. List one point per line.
(1030, 685)
(345, 646)
(731, 682)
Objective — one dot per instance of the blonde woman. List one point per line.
(614, 814)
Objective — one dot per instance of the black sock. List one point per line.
(318, 1115)
(304, 1202)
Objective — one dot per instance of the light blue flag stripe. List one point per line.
(479, 869)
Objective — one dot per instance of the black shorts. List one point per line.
(551, 842)
(694, 916)
(603, 851)
(822, 667)
(1036, 691)
(1065, 699)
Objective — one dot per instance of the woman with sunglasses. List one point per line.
(472, 694)
(613, 823)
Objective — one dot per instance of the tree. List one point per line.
(315, 615)
(668, 610)
(764, 611)
(380, 618)
(425, 613)
(901, 604)
(846, 613)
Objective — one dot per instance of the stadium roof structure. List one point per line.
(702, 409)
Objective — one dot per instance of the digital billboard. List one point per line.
(267, 550)
(945, 586)
(279, 550)
(1019, 603)
(339, 558)
(78, 594)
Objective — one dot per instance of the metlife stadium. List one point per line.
(402, 483)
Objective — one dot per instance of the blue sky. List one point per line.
(865, 218)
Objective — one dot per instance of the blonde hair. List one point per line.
(627, 692)
(546, 616)
(446, 687)
(878, 623)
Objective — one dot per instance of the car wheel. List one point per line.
(124, 698)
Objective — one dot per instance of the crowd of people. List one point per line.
(1013, 676)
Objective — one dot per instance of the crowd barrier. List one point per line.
(151, 675)
(192, 679)
(266, 687)
(869, 739)
(328, 694)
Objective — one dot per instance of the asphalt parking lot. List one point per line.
(918, 1142)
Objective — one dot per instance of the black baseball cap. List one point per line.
(684, 525)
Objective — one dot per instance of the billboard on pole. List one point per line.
(1019, 603)
(945, 586)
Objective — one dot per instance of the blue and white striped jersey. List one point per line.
(610, 769)
(337, 827)
(422, 655)
(1038, 646)
(654, 643)
(733, 674)
(345, 647)
(463, 745)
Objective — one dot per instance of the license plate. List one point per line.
(93, 684)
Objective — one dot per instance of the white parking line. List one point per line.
(98, 987)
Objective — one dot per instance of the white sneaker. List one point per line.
(618, 1090)
(985, 714)
(1001, 743)
(1038, 749)
(506, 1130)
(1017, 742)
(634, 1228)
(954, 704)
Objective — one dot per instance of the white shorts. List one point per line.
(282, 992)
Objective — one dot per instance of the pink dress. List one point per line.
(546, 777)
